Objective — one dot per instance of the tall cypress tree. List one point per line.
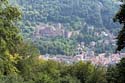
(120, 17)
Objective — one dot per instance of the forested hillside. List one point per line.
(74, 15)
(21, 62)
(69, 12)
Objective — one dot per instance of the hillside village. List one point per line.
(96, 44)
(101, 59)
(83, 52)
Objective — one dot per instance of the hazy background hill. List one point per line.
(94, 12)
(73, 15)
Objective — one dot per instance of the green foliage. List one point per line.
(73, 15)
(9, 37)
(82, 71)
(19, 62)
(69, 11)
(121, 70)
(9, 33)
(11, 79)
(28, 49)
(56, 46)
(97, 76)
(38, 70)
(120, 17)
(116, 74)
(112, 74)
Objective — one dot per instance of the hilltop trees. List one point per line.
(71, 12)
(74, 15)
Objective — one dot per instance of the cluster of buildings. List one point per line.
(46, 30)
(101, 59)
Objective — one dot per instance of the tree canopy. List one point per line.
(120, 17)
(9, 37)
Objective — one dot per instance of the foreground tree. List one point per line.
(120, 17)
(116, 74)
(121, 71)
(9, 37)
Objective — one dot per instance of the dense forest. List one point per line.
(20, 61)
(98, 13)
(74, 15)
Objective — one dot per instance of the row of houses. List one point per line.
(101, 59)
